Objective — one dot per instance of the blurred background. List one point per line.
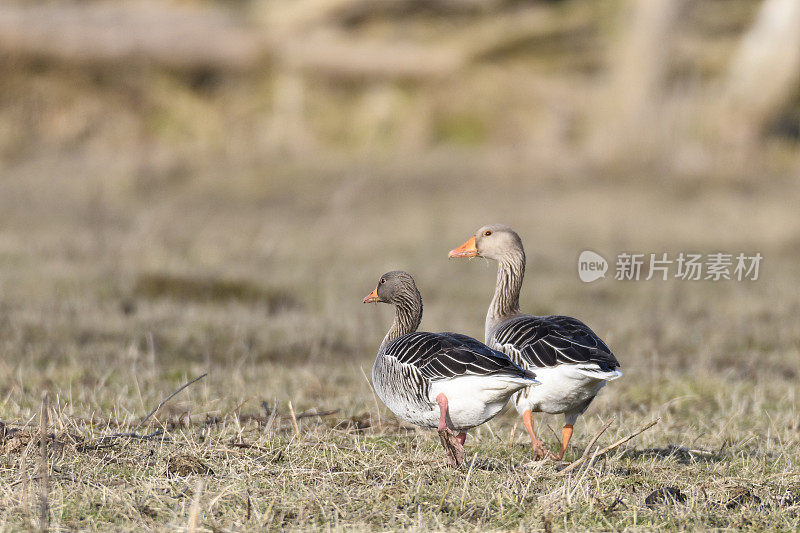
(193, 185)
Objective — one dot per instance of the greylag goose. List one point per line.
(444, 380)
(570, 360)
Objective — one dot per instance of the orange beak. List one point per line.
(372, 297)
(465, 250)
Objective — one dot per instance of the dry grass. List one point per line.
(81, 320)
(158, 225)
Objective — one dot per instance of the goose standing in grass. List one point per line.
(570, 360)
(443, 380)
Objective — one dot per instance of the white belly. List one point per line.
(464, 411)
(419, 414)
(472, 400)
(564, 389)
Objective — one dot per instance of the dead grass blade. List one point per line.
(44, 495)
(272, 415)
(294, 420)
(597, 436)
(466, 483)
(133, 434)
(513, 434)
(194, 510)
(168, 398)
(310, 413)
(575, 464)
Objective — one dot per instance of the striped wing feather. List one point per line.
(447, 355)
(547, 341)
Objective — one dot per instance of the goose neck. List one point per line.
(505, 303)
(407, 315)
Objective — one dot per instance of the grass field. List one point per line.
(112, 298)
(163, 219)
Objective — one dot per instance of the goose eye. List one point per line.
(383, 280)
(487, 232)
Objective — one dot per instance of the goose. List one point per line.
(570, 360)
(438, 380)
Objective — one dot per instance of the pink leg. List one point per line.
(539, 450)
(453, 445)
(441, 399)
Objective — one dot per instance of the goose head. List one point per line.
(395, 287)
(494, 241)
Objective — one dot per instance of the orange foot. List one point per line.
(540, 452)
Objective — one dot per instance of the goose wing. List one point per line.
(547, 341)
(447, 355)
